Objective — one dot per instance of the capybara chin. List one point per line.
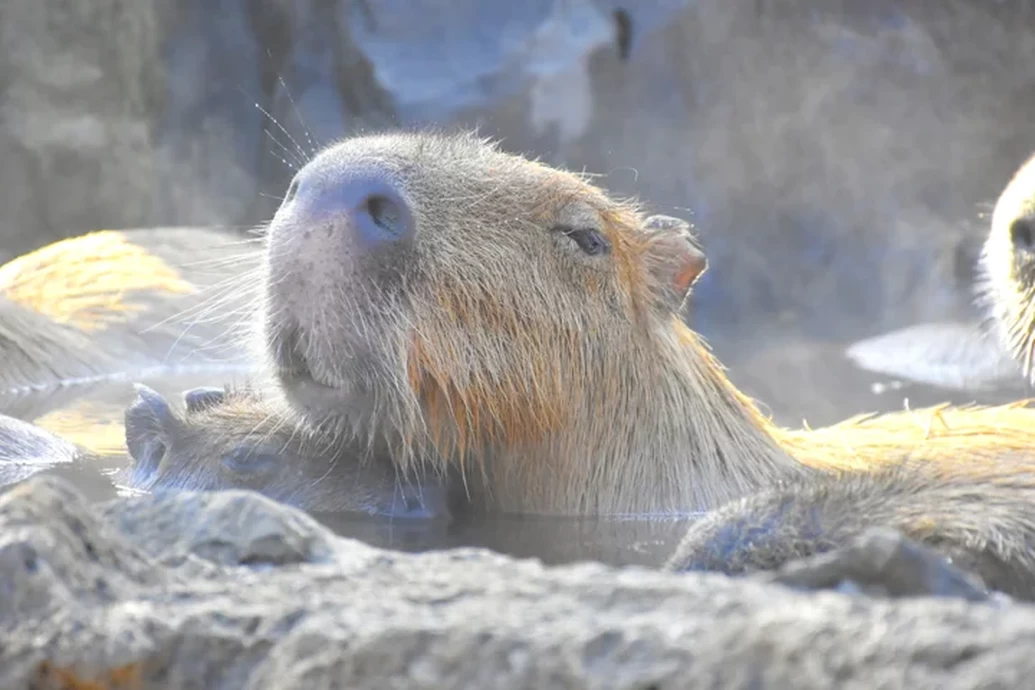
(121, 303)
(466, 307)
(1007, 268)
(230, 439)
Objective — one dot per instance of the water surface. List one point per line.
(796, 380)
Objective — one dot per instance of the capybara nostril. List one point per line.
(1022, 235)
(378, 213)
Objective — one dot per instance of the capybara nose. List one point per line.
(376, 212)
(1022, 234)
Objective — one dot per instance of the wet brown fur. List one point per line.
(571, 387)
(112, 303)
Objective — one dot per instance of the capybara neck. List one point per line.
(469, 307)
(660, 430)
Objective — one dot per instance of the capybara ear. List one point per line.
(148, 423)
(202, 398)
(675, 258)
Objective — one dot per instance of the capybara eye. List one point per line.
(247, 460)
(590, 241)
(203, 397)
(1021, 234)
(291, 191)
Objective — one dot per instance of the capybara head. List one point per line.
(230, 439)
(1008, 267)
(456, 299)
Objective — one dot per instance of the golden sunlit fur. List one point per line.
(122, 303)
(83, 281)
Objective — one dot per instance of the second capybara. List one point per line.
(1007, 268)
(228, 439)
(120, 303)
(471, 308)
(990, 356)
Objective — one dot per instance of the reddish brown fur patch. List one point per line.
(50, 677)
(627, 247)
(471, 411)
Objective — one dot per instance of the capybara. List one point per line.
(227, 439)
(467, 307)
(111, 304)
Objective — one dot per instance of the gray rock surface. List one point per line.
(958, 356)
(234, 591)
(81, 85)
(885, 563)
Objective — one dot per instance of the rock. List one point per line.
(952, 355)
(884, 562)
(225, 527)
(82, 87)
(92, 599)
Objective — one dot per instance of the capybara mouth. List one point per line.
(293, 367)
(308, 384)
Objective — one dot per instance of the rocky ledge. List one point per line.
(232, 590)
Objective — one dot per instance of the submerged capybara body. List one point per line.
(113, 303)
(228, 439)
(483, 311)
(983, 521)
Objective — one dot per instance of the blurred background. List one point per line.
(837, 157)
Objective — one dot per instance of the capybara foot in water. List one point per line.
(984, 523)
(124, 303)
(230, 439)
